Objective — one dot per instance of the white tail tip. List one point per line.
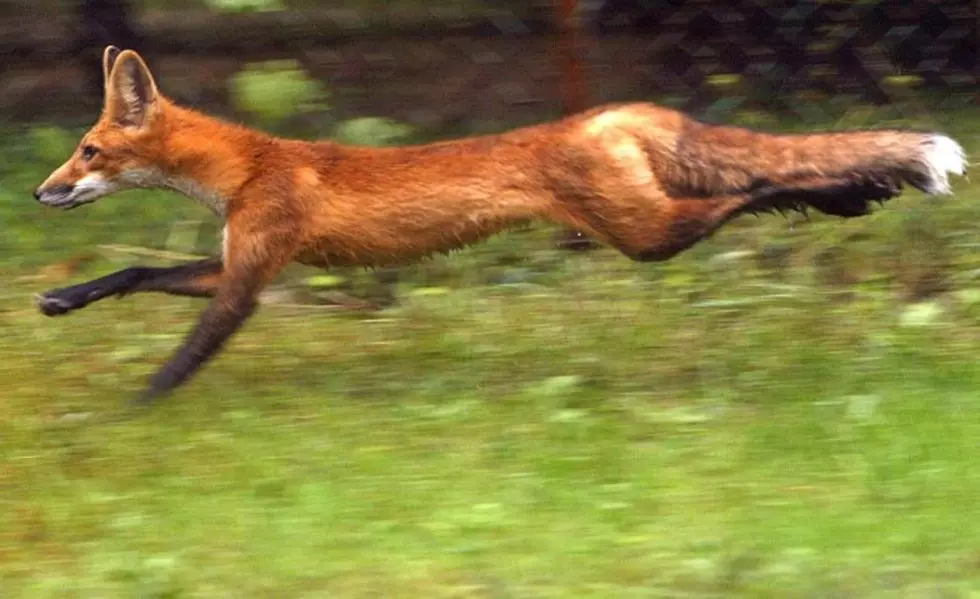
(942, 156)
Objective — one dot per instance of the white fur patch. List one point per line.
(612, 130)
(155, 179)
(942, 156)
(224, 244)
(604, 121)
(91, 187)
(194, 190)
(628, 154)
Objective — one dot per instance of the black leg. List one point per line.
(195, 279)
(231, 307)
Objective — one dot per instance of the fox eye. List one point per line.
(89, 152)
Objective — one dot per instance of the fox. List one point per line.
(645, 180)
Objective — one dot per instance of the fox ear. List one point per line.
(109, 56)
(131, 93)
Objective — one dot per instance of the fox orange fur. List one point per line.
(645, 180)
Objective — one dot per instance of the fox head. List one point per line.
(122, 150)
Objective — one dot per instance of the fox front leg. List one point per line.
(251, 260)
(194, 279)
(231, 307)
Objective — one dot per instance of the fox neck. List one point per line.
(207, 160)
(193, 189)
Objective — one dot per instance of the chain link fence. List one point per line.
(786, 56)
(455, 65)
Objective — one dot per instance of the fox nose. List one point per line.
(57, 190)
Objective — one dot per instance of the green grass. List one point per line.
(781, 412)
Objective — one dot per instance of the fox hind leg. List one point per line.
(657, 231)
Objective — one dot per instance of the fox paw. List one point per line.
(50, 304)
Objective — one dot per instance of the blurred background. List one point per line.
(790, 408)
(462, 63)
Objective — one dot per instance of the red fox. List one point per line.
(646, 180)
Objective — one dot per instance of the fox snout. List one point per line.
(53, 195)
(67, 195)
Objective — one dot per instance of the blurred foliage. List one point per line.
(374, 131)
(52, 144)
(274, 90)
(245, 5)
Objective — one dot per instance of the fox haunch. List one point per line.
(646, 180)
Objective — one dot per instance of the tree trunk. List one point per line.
(103, 22)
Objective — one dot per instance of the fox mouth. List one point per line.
(68, 197)
(68, 201)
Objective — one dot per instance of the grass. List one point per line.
(783, 411)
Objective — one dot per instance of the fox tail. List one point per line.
(836, 173)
